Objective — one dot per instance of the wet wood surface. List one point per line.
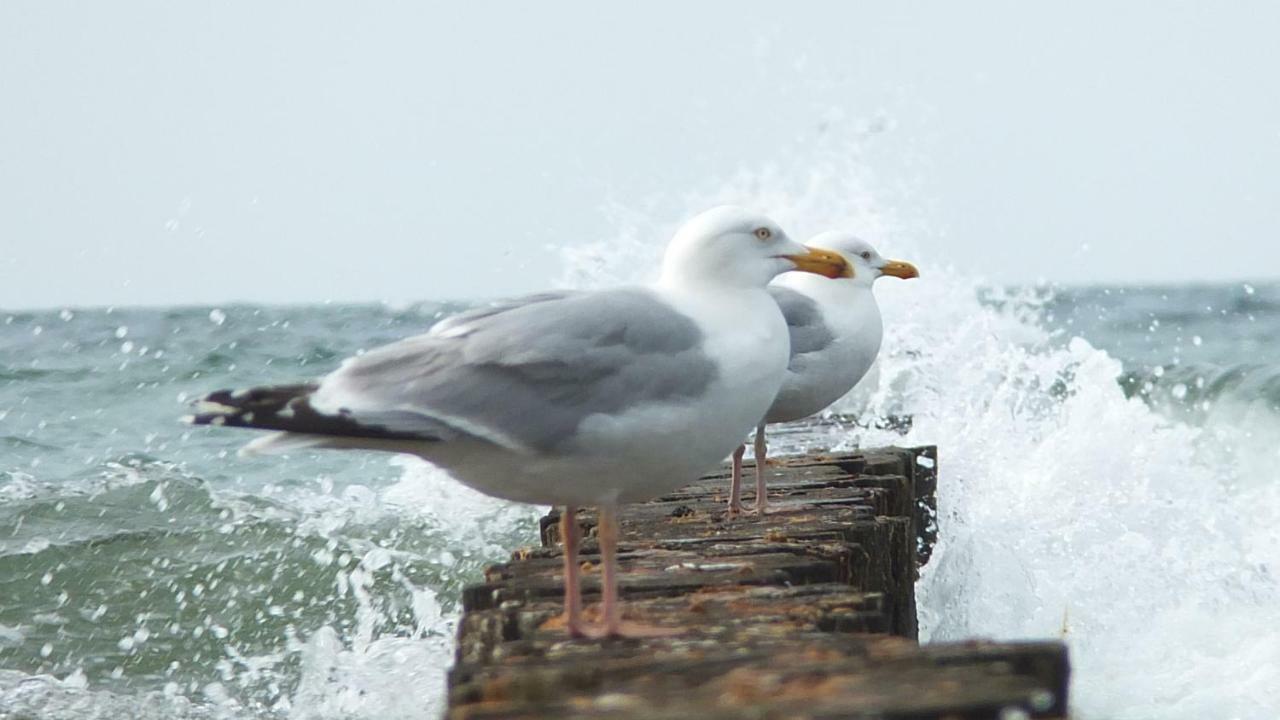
(808, 612)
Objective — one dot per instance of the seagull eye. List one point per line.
(866, 254)
(763, 233)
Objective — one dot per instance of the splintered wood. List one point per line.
(808, 612)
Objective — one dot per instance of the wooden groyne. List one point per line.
(806, 613)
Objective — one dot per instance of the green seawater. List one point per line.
(141, 557)
(146, 570)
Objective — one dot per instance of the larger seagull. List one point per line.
(835, 332)
(572, 399)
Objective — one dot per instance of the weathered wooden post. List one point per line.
(806, 613)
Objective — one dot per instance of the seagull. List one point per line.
(569, 398)
(835, 330)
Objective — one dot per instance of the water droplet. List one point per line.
(122, 331)
(157, 497)
(76, 680)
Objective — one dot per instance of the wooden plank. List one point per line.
(802, 676)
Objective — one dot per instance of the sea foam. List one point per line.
(1066, 509)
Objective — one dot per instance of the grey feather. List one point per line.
(531, 371)
(468, 316)
(809, 332)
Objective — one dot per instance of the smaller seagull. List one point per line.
(835, 330)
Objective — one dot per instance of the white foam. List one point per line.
(472, 521)
(72, 698)
(1066, 506)
(367, 674)
(1066, 509)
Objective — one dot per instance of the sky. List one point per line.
(190, 153)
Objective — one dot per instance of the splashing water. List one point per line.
(1070, 509)
(381, 675)
(1067, 508)
(175, 581)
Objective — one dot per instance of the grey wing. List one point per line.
(809, 332)
(526, 375)
(466, 317)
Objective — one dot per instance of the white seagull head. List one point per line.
(729, 245)
(867, 263)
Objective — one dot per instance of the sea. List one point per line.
(1108, 460)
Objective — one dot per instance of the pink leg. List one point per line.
(735, 483)
(613, 625)
(607, 532)
(762, 453)
(569, 538)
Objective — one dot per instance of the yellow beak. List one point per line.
(822, 262)
(900, 269)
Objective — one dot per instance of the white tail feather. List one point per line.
(282, 442)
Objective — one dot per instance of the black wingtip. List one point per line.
(288, 408)
(262, 407)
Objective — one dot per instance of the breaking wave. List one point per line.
(1145, 533)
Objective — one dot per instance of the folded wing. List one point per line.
(809, 332)
(523, 374)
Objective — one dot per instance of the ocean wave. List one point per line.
(45, 696)
(1070, 507)
(33, 374)
(15, 441)
(1192, 391)
(1066, 508)
(305, 599)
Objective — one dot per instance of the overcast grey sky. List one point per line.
(167, 152)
